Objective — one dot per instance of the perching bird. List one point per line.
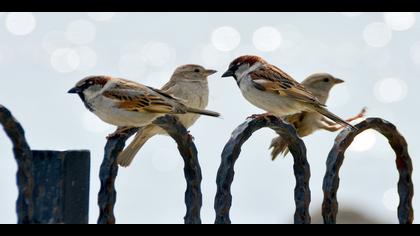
(189, 83)
(125, 103)
(269, 88)
(306, 123)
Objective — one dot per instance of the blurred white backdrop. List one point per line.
(378, 54)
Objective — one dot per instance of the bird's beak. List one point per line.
(338, 81)
(209, 72)
(74, 90)
(228, 73)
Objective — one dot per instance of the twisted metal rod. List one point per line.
(231, 151)
(192, 170)
(336, 158)
(108, 172)
(23, 157)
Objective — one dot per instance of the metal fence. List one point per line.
(231, 153)
(54, 186)
(192, 171)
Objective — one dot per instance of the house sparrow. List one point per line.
(189, 83)
(269, 88)
(125, 103)
(307, 123)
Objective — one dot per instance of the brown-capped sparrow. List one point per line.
(189, 83)
(306, 123)
(125, 103)
(271, 89)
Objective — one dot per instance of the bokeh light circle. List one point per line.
(390, 90)
(400, 21)
(65, 60)
(267, 39)
(20, 23)
(364, 141)
(225, 38)
(377, 34)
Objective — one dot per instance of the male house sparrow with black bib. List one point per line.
(125, 103)
(271, 89)
(306, 123)
(189, 83)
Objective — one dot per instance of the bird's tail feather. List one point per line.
(127, 155)
(332, 116)
(279, 146)
(203, 112)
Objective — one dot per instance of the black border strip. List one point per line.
(208, 6)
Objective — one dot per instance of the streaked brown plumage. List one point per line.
(307, 123)
(125, 103)
(188, 83)
(271, 89)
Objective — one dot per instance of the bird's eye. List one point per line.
(197, 70)
(326, 80)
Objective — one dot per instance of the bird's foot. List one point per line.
(121, 131)
(116, 134)
(361, 114)
(263, 116)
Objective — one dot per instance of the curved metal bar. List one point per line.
(225, 175)
(336, 158)
(23, 156)
(108, 173)
(192, 170)
(188, 151)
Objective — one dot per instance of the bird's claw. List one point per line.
(118, 133)
(113, 135)
(362, 113)
(254, 116)
(263, 116)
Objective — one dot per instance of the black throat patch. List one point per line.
(87, 105)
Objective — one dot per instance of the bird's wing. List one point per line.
(272, 79)
(135, 97)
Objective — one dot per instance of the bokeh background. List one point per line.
(42, 55)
